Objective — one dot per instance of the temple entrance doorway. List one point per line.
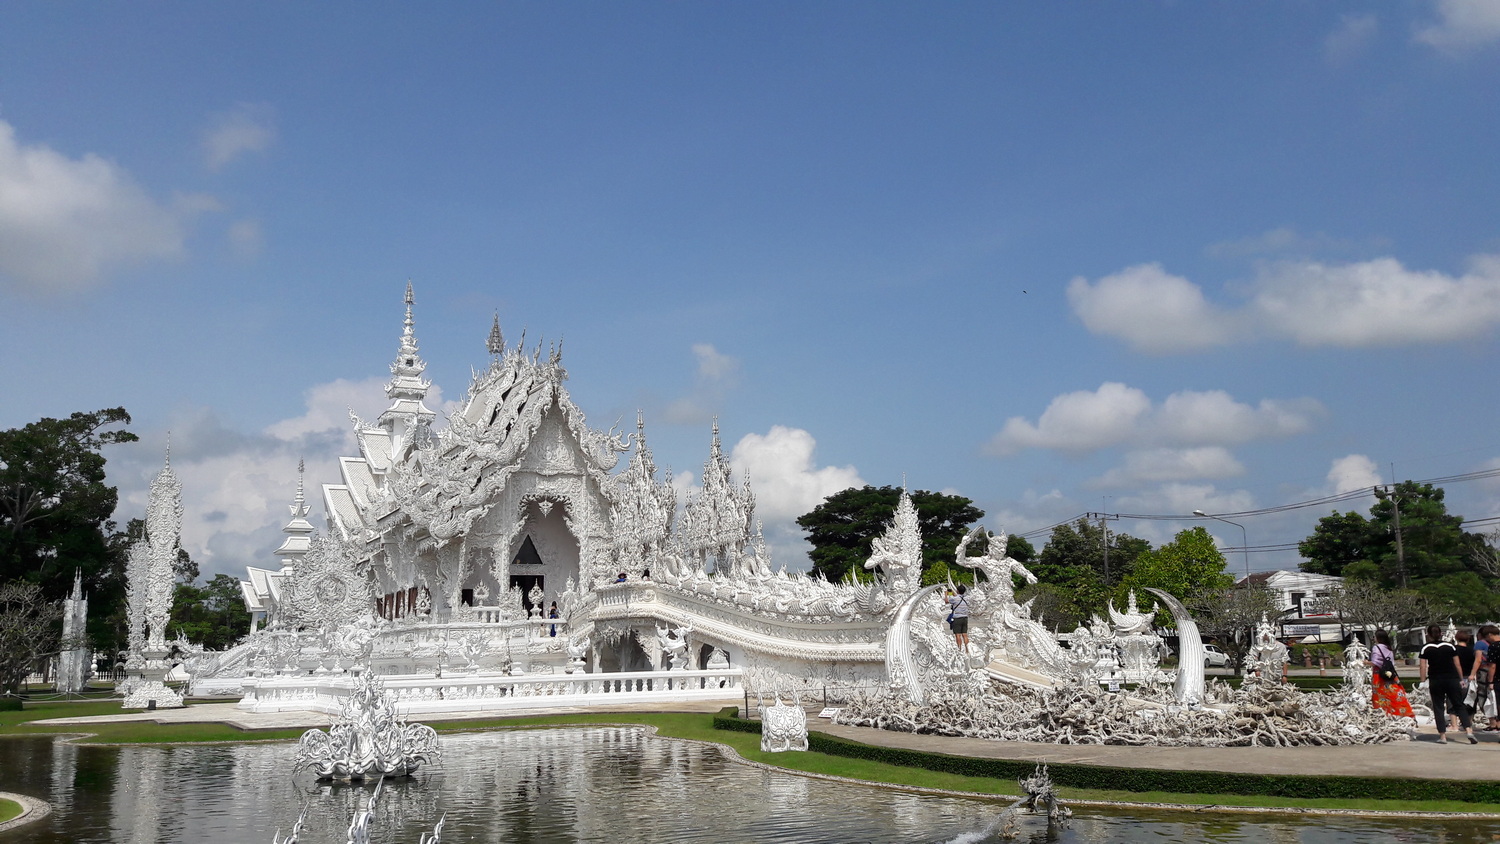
(526, 582)
(625, 654)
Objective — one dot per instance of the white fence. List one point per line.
(490, 692)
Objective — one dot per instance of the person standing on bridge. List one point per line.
(958, 618)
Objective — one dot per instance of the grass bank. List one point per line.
(9, 809)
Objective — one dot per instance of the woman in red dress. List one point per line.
(1389, 697)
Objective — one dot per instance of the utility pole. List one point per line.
(1396, 527)
(1104, 520)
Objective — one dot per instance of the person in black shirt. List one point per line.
(1440, 670)
(1463, 642)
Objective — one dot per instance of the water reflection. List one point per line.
(559, 786)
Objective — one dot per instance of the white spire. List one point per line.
(407, 387)
(298, 531)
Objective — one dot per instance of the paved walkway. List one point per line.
(1423, 758)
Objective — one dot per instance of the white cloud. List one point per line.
(1463, 25)
(1360, 304)
(1157, 465)
(1350, 38)
(786, 481)
(328, 408)
(245, 238)
(1283, 241)
(1355, 471)
(248, 127)
(1117, 414)
(65, 222)
(712, 364)
(1077, 422)
(1378, 303)
(1150, 309)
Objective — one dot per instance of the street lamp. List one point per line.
(1244, 538)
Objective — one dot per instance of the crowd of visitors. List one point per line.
(1459, 678)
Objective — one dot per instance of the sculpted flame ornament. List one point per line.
(368, 740)
(149, 592)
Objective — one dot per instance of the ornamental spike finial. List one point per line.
(496, 341)
(167, 463)
(410, 300)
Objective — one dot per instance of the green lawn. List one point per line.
(8, 809)
(699, 726)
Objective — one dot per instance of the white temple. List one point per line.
(503, 559)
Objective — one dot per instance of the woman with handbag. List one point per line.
(1442, 671)
(1389, 697)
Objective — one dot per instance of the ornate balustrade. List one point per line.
(483, 692)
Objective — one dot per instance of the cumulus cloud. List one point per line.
(1159, 465)
(1360, 304)
(1462, 25)
(786, 480)
(1150, 309)
(1350, 38)
(65, 222)
(1355, 471)
(248, 127)
(1117, 414)
(713, 364)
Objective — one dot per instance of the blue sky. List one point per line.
(1064, 257)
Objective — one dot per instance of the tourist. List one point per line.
(1482, 675)
(645, 574)
(621, 578)
(1388, 696)
(1445, 683)
(958, 618)
(552, 613)
(1463, 642)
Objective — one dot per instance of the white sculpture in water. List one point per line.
(783, 726)
(148, 590)
(369, 740)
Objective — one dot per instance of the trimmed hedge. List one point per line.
(1074, 775)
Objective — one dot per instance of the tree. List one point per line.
(55, 507)
(1189, 567)
(1339, 540)
(30, 631)
(1073, 560)
(1231, 615)
(1364, 605)
(843, 526)
(1432, 542)
(212, 615)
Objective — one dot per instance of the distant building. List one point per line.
(1302, 598)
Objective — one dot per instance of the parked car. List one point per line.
(1213, 657)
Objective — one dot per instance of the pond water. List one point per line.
(557, 786)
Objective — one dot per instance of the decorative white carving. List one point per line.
(783, 726)
(149, 590)
(328, 588)
(368, 740)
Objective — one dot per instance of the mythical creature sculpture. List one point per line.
(674, 644)
(897, 553)
(1356, 687)
(368, 740)
(1006, 625)
(782, 726)
(1267, 657)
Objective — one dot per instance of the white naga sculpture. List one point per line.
(148, 591)
(783, 726)
(674, 643)
(369, 740)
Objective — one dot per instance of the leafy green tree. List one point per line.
(843, 526)
(1189, 567)
(212, 615)
(1432, 541)
(56, 509)
(1339, 540)
(1073, 559)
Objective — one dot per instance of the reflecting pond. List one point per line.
(604, 784)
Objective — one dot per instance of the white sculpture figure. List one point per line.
(783, 726)
(1139, 648)
(73, 662)
(1083, 652)
(1267, 657)
(1189, 686)
(536, 597)
(897, 553)
(149, 594)
(1450, 634)
(368, 740)
(674, 643)
(576, 653)
(1356, 686)
(354, 641)
(1005, 624)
